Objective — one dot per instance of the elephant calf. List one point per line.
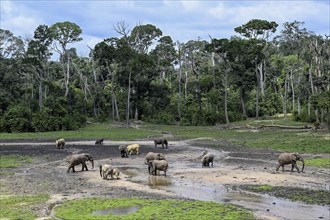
(123, 151)
(207, 159)
(106, 170)
(77, 159)
(290, 158)
(60, 143)
(160, 165)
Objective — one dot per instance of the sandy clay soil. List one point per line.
(186, 179)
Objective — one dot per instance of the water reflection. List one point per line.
(116, 211)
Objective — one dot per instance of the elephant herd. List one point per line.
(156, 162)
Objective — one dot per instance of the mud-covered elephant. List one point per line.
(60, 143)
(77, 159)
(207, 159)
(133, 148)
(161, 141)
(290, 158)
(123, 151)
(160, 165)
(106, 170)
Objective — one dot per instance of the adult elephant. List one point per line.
(77, 159)
(290, 158)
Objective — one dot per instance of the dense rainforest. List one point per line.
(143, 75)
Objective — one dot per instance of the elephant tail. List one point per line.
(101, 170)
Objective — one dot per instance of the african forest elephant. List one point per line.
(290, 158)
(123, 150)
(161, 141)
(133, 148)
(60, 143)
(160, 165)
(77, 159)
(207, 159)
(106, 170)
(153, 156)
(99, 142)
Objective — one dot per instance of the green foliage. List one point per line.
(320, 197)
(318, 162)
(150, 209)
(20, 207)
(16, 119)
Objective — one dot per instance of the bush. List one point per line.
(16, 119)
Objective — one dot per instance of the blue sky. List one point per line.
(182, 20)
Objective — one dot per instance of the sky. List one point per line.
(181, 20)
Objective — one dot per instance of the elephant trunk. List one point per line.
(303, 165)
(92, 161)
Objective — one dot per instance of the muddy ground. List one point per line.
(186, 179)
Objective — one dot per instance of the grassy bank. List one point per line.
(148, 209)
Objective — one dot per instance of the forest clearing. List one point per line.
(242, 175)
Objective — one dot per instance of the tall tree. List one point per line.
(65, 33)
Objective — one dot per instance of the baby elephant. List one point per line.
(207, 159)
(77, 159)
(160, 165)
(161, 141)
(60, 143)
(99, 142)
(123, 151)
(106, 170)
(290, 158)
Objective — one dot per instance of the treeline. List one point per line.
(143, 75)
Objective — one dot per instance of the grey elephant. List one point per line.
(123, 151)
(161, 141)
(155, 165)
(60, 143)
(290, 158)
(77, 159)
(99, 142)
(106, 170)
(153, 156)
(207, 159)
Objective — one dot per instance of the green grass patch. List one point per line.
(318, 162)
(303, 141)
(150, 209)
(19, 207)
(14, 160)
(319, 197)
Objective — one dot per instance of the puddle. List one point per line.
(117, 211)
(205, 191)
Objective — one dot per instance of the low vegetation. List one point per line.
(320, 197)
(149, 209)
(13, 160)
(20, 207)
(318, 162)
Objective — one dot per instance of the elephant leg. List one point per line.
(278, 167)
(294, 165)
(73, 169)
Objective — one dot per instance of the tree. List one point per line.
(65, 33)
(38, 56)
(259, 31)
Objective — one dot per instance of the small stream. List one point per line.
(205, 191)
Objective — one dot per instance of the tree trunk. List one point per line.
(67, 76)
(242, 102)
(40, 93)
(226, 97)
(285, 97)
(128, 98)
(292, 89)
(257, 92)
(179, 83)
